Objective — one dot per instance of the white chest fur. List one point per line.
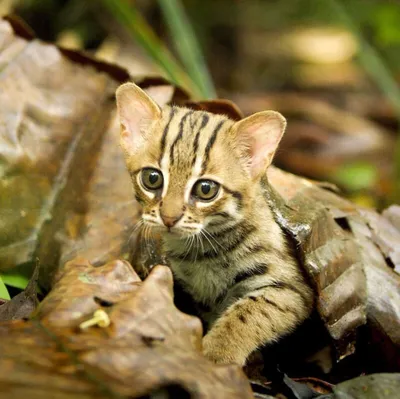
(205, 280)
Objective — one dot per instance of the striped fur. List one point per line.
(229, 253)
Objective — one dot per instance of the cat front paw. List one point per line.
(219, 350)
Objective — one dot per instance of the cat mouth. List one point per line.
(176, 231)
(180, 232)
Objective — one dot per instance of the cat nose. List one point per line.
(171, 221)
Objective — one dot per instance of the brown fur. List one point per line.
(229, 253)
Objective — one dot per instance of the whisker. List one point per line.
(197, 247)
(190, 240)
(213, 238)
(137, 226)
(201, 242)
(146, 244)
(205, 236)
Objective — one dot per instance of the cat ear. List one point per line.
(257, 137)
(161, 95)
(136, 110)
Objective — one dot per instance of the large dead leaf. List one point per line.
(375, 386)
(347, 261)
(330, 256)
(54, 112)
(148, 346)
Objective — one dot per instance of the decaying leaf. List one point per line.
(54, 112)
(375, 386)
(148, 346)
(218, 106)
(352, 275)
(329, 254)
(385, 234)
(383, 283)
(393, 215)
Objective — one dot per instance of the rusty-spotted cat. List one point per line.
(197, 177)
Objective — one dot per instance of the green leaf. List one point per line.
(387, 24)
(19, 276)
(3, 290)
(15, 280)
(357, 176)
(187, 45)
(142, 32)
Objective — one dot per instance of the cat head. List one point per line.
(192, 170)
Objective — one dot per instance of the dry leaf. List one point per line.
(148, 346)
(49, 128)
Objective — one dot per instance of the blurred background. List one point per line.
(331, 67)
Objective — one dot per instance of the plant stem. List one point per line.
(148, 40)
(187, 45)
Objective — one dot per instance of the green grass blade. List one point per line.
(3, 290)
(187, 45)
(141, 31)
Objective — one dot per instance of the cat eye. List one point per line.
(152, 179)
(205, 190)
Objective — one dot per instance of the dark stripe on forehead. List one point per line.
(193, 122)
(204, 122)
(179, 136)
(172, 112)
(210, 144)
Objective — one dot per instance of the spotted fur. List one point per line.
(228, 253)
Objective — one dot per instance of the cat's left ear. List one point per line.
(136, 110)
(257, 138)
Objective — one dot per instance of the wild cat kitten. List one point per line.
(197, 177)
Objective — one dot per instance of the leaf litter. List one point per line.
(350, 254)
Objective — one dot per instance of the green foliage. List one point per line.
(141, 31)
(18, 277)
(3, 290)
(387, 24)
(356, 176)
(187, 46)
(16, 280)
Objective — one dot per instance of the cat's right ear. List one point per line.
(136, 110)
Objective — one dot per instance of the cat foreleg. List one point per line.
(259, 318)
